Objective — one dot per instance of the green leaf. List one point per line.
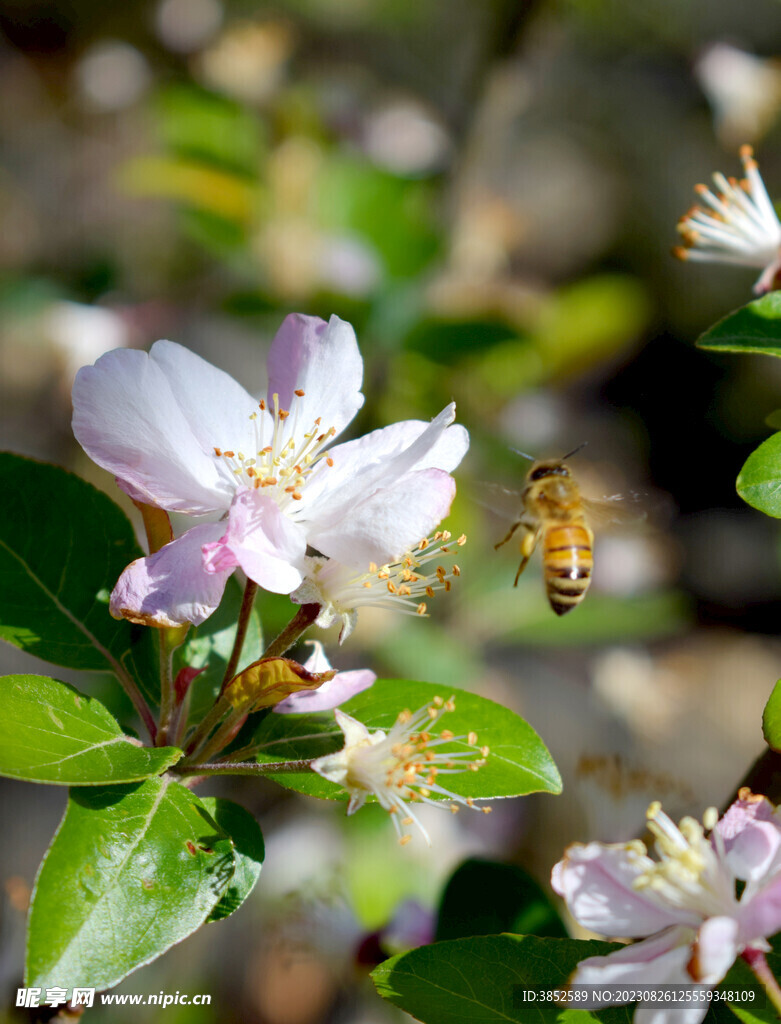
(518, 763)
(205, 126)
(209, 646)
(444, 341)
(483, 897)
(740, 978)
(56, 572)
(248, 852)
(394, 216)
(49, 732)
(483, 979)
(752, 328)
(759, 482)
(771, 718)
(131, 871)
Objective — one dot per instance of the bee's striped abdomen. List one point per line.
(567, 559)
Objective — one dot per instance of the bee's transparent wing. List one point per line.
(616, 510)
(502, 501)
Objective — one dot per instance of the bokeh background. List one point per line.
(488, 191)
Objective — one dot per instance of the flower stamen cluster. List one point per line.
(403, 767)
(405, 585)
(403, 579)
(688, 873)
(737, 224)
(284, 464)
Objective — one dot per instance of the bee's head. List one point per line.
(551, 468)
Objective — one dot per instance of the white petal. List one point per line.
(354, 731)
(759, 912)
(322, 360)
(380, 459)
(216, 406)
(127, 419)
(715, 950)
(317, 660)
(656, 1014)
(656, 960)
(349, 622)
(596, 880)
(332, 767)
(659, 960)
(171, 587)
(357, 800)
(390, 521)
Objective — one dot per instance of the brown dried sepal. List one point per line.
(268, 681)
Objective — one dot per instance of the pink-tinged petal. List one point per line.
(171, 587)
(322, 360)
(751, 835)
(654, 1013)
(330, 695)
(662, 958)
(216, 407)
(715, 950)
(262, 540)
(759, 913)
(390, 521)
(596, 880)
(659, 960)
(767, 279)
(381, 459)
(127, 419)
(412, 925)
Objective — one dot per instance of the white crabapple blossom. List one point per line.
(684, 905)
(737, 224)
(263, 480)
(405, 584)
(332, 693)
(402, 767)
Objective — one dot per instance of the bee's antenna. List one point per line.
(574, 451)
(531, 458)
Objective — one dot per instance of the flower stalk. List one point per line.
(130, 687)
(757, 961)
(298, 625)
(211, 720)
(170, 640)
(226, 732)
(242, 768)
(242, 625)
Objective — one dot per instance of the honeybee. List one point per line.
(554, 511)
